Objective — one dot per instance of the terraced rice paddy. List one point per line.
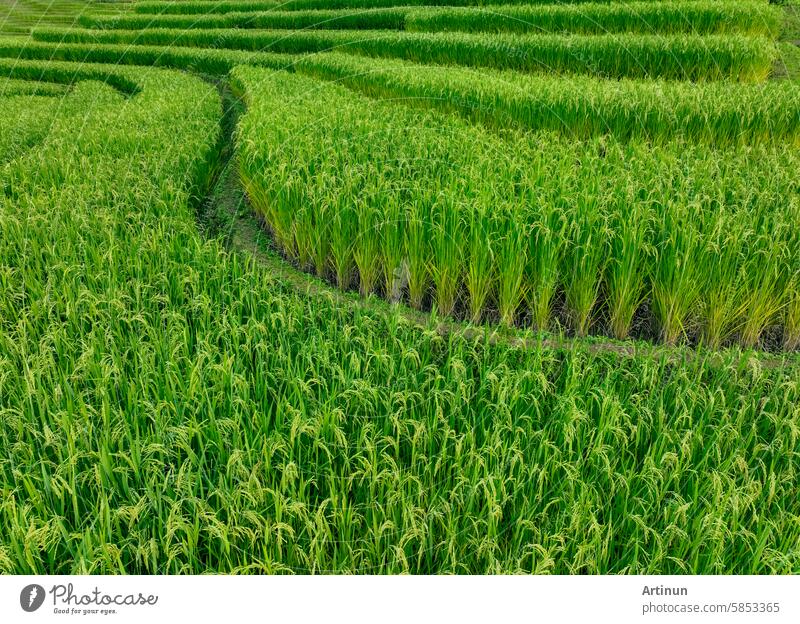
(379, 286)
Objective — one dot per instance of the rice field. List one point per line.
(399, 286)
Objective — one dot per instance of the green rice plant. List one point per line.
(19, 16)
(343, 232)
(791, 324)
(25, 121)
(678, 57)
(627, 278)
(278, 210)
(68, 73)
(393, 256)
(585, 258)
(718, 313)
(545, 253)
(718, 113)
(763, 287)
(447, 257)
(304, 226)
(217, 418)
(418, 249)
(479, 277)
(678, 270)
(511, 263)
(791, 337)
(171, 405)
(367, 245)
(725, 237)
(315, 229)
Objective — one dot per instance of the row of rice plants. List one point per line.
(170, 407)
(684, 57)
(715, 113)
(524, 226)
(719, 113)
(202, 60)
(694, 16)
(387, 19)
(124, 80)
(707, 16)
(11, 86)
(195, 7)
